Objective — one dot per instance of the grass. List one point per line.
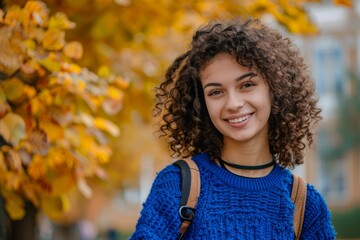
(347, 223)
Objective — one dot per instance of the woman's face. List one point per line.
(237, 99)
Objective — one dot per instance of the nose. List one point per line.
(234, 101)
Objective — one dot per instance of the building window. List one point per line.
(333, 181)
(329, 66)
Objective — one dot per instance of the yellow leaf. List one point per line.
(37, 107)
(15, 125)
(11, 48)
(14, 204)
(94, 101)
(30, 193)
(80, 84)
(13, 16)
(292, 11)
(34, 33)
(68, 81)
(346, 3)
(38, 141)
(50, 64)
(114, 93)
(73, 50)
(12, 181)
(104, 71)
(260, 6)
(31, 67)
(54, 39)
(14, 162)
(53, 130)
(55, 158)
(25, 154)
(29, 91)
(71, 68)
(3, 166)
(46, 97)
(55, 207)
(61, 182)
(15, 211)
(30, 44)
(38, 11)
(106, 125)
(37, 168)
(102, 154)
(60, 20)
(13, 89)
(5, 131)
(122, 83)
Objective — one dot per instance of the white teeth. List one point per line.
(237, 120)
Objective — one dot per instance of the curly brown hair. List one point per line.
(181, 103)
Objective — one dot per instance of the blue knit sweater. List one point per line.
(232, 207)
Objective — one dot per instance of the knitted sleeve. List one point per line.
(159, 217)
(317, 221)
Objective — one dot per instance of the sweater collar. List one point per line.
(274, 178)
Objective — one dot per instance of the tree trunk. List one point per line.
(26, 228)
(4, 223)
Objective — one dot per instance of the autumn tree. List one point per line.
(53, 135)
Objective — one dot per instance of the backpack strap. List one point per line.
(190, 191)
(298, 196)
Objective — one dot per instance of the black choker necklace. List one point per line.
(245, 167)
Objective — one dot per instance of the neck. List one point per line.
(247, 154)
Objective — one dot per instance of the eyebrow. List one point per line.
(236, 80)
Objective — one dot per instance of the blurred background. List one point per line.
(78, 150)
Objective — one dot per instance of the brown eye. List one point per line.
(247, 84)
(214, 93)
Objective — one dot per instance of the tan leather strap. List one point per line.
(191, 177)
(195, 183)
(298, 196)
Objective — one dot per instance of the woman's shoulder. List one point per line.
(313, 196)
(316, 205)
(317, 221)
(168, 174)
(172, 173)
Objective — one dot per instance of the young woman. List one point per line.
(241, 96)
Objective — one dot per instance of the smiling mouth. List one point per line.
(239, 120)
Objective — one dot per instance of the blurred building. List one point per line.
(334, 55)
